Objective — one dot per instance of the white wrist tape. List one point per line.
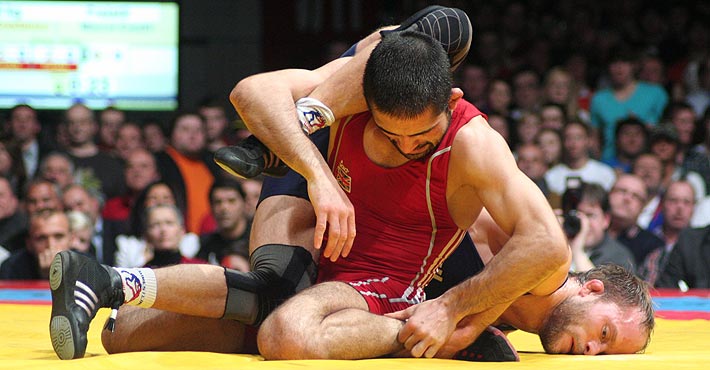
(313, 115)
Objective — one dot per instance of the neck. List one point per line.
(529, 313)
(577, 163)
(84, 150)
(670, 234)
(236, 231)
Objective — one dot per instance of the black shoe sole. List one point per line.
(63, 332)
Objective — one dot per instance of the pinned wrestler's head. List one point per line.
(611, 312)
(408, 88)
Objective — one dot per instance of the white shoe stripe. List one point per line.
(83, 306)
(87, 290)
(79, 296)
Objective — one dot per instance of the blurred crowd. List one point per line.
(128, 194)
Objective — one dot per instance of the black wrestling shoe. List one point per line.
(80, 286)
(450, 26)
(491, 346)
(250, 158)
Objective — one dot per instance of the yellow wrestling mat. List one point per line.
(25, 344)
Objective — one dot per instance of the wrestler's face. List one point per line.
(591, 326)
(416, 137)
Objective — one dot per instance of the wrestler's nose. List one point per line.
(592, 348)
(409, 145)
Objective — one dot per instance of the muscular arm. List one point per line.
(266, 104)
(535, 258)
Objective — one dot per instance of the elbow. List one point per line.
(558, 252)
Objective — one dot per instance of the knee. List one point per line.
(286, 336)
(110, 342)
(274, 338)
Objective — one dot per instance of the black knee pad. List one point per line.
(278, 272)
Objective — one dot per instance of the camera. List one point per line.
(570, 200)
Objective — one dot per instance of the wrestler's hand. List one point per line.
(428, 327)
(466, 332)
(334, 211)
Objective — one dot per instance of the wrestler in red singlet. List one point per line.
(404, 230)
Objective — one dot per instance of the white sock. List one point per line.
(139, 286)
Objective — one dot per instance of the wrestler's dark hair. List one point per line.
(623, 288)
(407, 73)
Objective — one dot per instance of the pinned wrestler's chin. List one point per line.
(555, 334)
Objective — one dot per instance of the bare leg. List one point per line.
(200, 291)
(178, 332)
(327, 321)
(284, 220)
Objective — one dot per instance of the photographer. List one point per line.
(590, 243)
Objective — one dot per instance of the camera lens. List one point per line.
(571, 224)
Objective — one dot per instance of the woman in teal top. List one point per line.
(626, 97)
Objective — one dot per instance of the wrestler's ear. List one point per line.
(456, 95)
(594, 286)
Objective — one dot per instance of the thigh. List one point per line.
(308, 308)
(147, 329)
(283, 219)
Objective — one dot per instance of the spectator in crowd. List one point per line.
(531, 161)
(631, 140)
(698, 157)
(132, 249)
(560, 88)
(626, 199)
(48, 234)
(129, 138)
(593, 245)
(154, 136)
(13, 221)
(649, 168)
(500, 98)
(110, 119)
(43, 195)
(186, 154)
(677, 205)
(527, 128)
(229, 244)
(550, 141)
(577, 66)
(474, 83)
(665, 144)
(164, 230)
(682, 118)
(81, 229)
(77, 197)
(11, 165)
(576, 161)
(140, 170)
(216, 124)
(652, 70)
(699, 99)
(624, 98)
(688, 265)
(82, 130)
(526, 93)
(552, 115)
(24, 128)
(58, 168)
